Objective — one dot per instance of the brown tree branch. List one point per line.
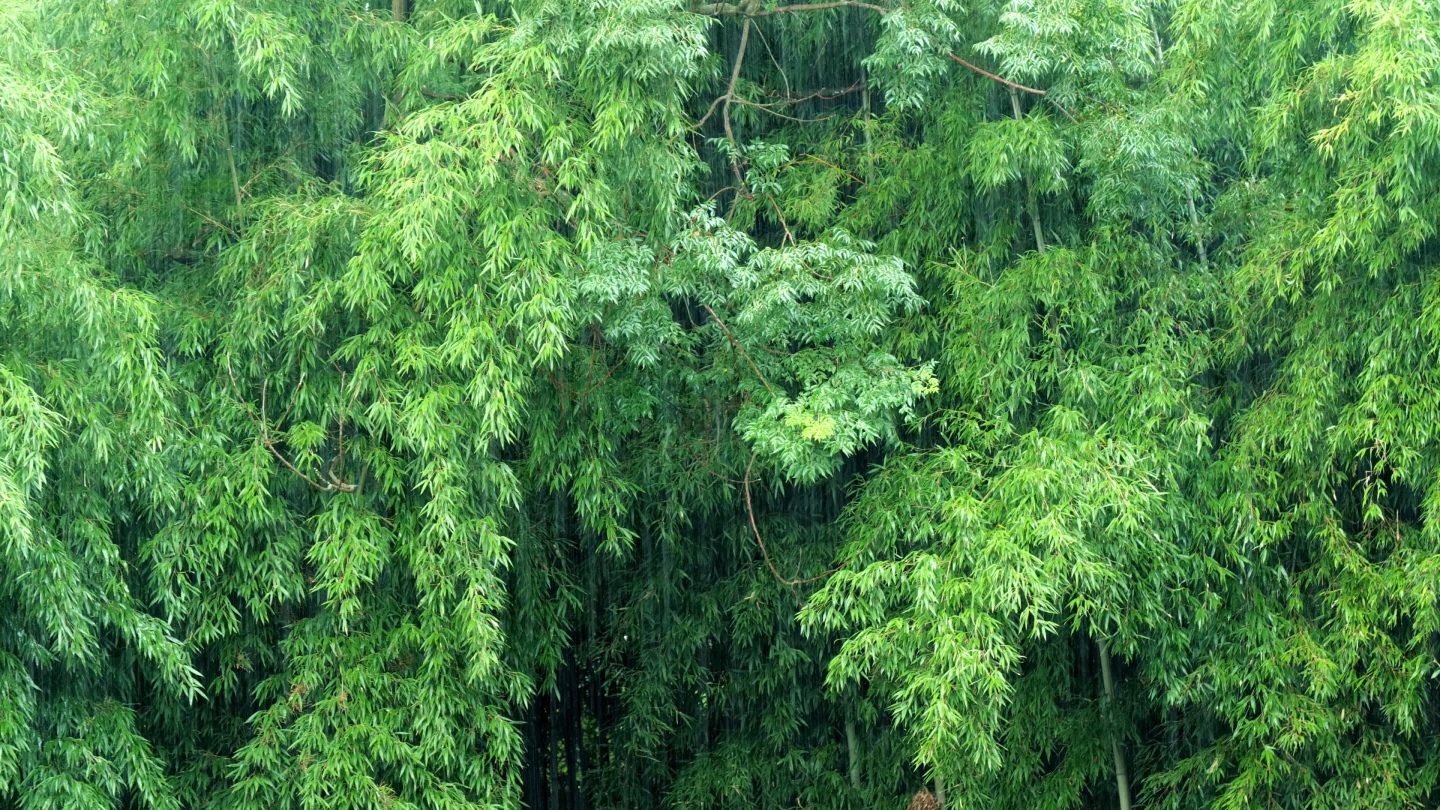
(748, 10)
(990, 75)
(729, 97)
(738, 348)
(821, 7)
(824, 94)
(760, 541)
(262, 422)
(1062, 109)
(710, 112)
(783, 224)
(776, 62)
(766, 108)
(754, 9)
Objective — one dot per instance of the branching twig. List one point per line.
(706, 117)
(607, 376)
(774, 61)
(212, 221)
(262, 422)
(718, 192)
(1061, 108)
(783, 223)
(766, 108)
(825, 94)
(824, 162)
(746, 9)
(738, 348)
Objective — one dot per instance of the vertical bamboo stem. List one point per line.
(852, 741)
(1122, 775)
(1031, 203)
(1195, 224)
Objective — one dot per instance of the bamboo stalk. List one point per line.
(852, 741)
(1122, 775)
(1031, 203)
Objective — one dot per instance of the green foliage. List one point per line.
(638, 403)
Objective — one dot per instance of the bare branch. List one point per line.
(760, 541)
(990, 75)
(774, 61)
(766, 108)
(718, 192)
(262, 422)
(824, 94)
(428, 93)
(738, 348)
(717, 9)
(1062, 109)
(710, 112)
(730, 96)
(783, 223)
(822, 6)
(754, 9)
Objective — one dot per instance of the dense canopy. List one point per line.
(663, 405)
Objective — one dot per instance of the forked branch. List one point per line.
(751, 9)
(262, 421)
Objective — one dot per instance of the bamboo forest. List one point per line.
(753, 405)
